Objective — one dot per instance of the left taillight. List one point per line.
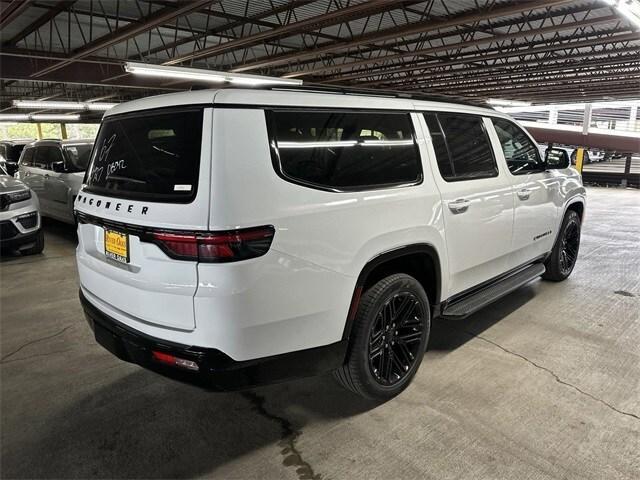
(214, 247)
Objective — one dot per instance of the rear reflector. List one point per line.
(226, 246)
(174, 361)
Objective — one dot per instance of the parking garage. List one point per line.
(542, 382)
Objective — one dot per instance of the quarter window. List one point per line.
(462, 147)
(344, 150)
(521, 154)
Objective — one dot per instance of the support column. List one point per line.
(586, 120)
(39, 128)
(632, 118)
(63, 131)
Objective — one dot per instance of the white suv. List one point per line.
(235, 237)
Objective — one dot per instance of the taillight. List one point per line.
(226, 246)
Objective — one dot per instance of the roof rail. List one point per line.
(432, 97)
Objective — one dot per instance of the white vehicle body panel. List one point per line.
(297, 296)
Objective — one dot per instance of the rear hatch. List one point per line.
(149, 173)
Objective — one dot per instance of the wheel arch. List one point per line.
(420, 260)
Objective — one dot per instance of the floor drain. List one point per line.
(624, 293)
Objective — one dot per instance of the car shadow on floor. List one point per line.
(143, 425)
(448, 335)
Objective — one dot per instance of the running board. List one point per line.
(467, 305)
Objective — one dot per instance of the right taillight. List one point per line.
(215, 247)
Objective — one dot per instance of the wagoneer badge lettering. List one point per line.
(117, 206)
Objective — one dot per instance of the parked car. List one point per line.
(19, 217)
(10, 151)
(237, 237)
(54, 169)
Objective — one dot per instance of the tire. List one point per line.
(38, 247)
(383, 375)
(563, 257)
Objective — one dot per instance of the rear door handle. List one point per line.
(460, 205)
(524, 194)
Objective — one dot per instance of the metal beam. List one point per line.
(404, 30)
(498, 71)
(32, 27)
(156, 19)
(482, 57)
(257, 19)
(337, 16)
(13, 11)
(454, 46)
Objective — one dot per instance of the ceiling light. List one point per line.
(25, 117)
(11, 117)
(183, 73)
(93, 106)
(54, 116)
(507, 103)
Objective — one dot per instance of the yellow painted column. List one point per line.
(39, 127)
(579, 159)
(63, 131)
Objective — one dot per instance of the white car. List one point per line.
(19, 217)
(54, 169)
(237, 237)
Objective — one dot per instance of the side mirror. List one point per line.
(58, 167)
(556, 158)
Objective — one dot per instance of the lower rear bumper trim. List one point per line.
(217, 371)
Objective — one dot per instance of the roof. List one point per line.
(300, 97)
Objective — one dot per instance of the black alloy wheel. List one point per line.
(388, 339)
(394, 341)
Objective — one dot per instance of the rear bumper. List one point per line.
(217, 371)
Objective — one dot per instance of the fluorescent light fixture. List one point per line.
(93, 106)
(13, 117)
(39, 117)
(183, 73)
(629, 9)
(54, 116)
(507, 103)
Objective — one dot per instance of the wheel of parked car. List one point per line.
(390, 335)
(563, 257)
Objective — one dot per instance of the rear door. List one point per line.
(32, 172)
(149, 173)
(535, 193)
(476, 196)
(55, 191)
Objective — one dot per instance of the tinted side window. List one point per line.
(520, 152)
(462, 140)
(469, 146)
(27, 157)
(3, 151)
(45, 156)
(344, 150)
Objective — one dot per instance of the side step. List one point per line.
(467, 305)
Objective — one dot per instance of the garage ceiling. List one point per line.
(541, 51)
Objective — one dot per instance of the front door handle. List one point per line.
(524, 194)
(460, 205)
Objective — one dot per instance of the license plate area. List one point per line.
(116, 245)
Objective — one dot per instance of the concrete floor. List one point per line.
(544, 384)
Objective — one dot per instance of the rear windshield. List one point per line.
(151, 156)
(78, 155)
